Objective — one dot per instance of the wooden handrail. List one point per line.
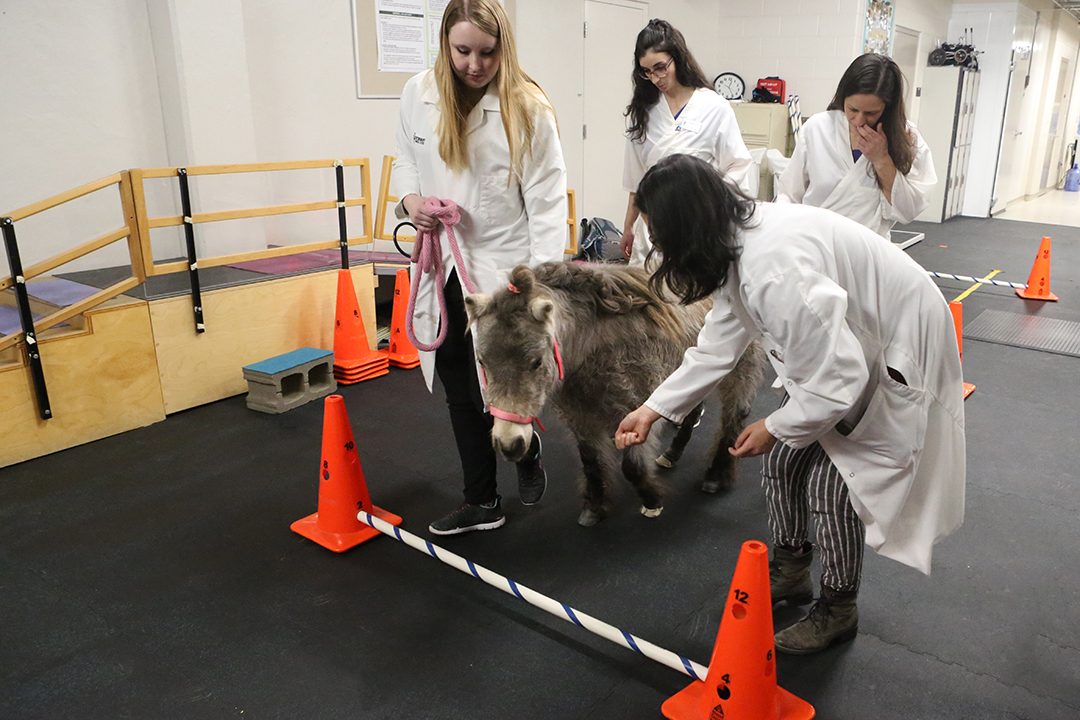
(193, 170)
(267, 211)
(25, 212)
(138, 225)
(65, 257)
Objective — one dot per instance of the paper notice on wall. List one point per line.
(408, 33)
(401, 33)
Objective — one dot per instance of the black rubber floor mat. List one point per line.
(1026, 331)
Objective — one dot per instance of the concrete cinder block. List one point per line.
(289, 380)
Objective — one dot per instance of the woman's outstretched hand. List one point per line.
(626, 244)
(634, 429)
(755, 439)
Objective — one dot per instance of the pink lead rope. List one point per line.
(427, 254)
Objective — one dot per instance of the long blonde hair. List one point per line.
(520, 98)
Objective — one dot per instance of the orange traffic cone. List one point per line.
(1038, 284)
(957, 309)
(401, 353)
(342, 489)
(741, 683)
(353, 359)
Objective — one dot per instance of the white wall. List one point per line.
(807, 43)
(80, 103)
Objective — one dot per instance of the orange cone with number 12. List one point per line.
(342, 489)
(401, 352)
(741, 683)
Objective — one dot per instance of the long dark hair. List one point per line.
(872, 74)
(694, 216)
(659, 36)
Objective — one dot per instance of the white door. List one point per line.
(1012, 161)
(906, 55)
(611, 30)
(1052, 170)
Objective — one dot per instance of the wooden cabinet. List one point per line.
(946, 119)
(765, 125)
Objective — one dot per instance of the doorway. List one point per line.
(906, 55)
(611, 28)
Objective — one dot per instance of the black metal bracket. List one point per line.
(193, 260)
(26, 317)
(343, 233)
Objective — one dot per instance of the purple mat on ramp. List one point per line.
(60, 292)
(302, 262)
(9, 320)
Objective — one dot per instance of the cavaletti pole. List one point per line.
(598, 627)
(985, 281)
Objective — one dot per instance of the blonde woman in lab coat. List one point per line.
(861, 157)
(674, 110)
(478, 131)
(874, 383)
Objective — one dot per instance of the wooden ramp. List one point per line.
(128, 363)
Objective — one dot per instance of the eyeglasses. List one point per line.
(658, 72)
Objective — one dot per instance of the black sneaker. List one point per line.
(532, 480)
(468, 518)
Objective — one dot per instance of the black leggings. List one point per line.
(456, 365)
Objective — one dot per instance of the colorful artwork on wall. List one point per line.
(878, 29)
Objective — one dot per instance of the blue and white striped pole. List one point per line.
(598, 627)
(986, 281)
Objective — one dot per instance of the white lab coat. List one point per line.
(502, 225)
(822, 173)
(706, 128)
(834, 305)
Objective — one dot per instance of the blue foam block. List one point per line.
(277, 364)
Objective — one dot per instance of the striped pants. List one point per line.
(802, 482)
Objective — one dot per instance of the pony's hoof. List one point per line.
(651, 512)
(665, 462)
(711, 486)
(588, 518)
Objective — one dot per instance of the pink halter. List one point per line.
(514, 417)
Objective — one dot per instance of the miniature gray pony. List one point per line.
(597, 340)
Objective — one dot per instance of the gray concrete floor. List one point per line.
(153, 574)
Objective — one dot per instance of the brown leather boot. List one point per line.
(834, 618)
(789, 576)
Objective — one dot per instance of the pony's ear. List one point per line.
(523, 279)
(476, 305)
(541, 309)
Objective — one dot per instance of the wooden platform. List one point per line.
(102, 380)
(134, 362)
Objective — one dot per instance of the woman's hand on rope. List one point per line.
(754, 440)
(414, 205)
(634, 429)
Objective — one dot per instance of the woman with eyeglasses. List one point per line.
(478, 131)
(674, 110)
(861, 157)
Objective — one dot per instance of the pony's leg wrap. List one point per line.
(639, 471)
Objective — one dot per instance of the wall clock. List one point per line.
(729, 85)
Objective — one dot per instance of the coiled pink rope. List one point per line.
(427, 254)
